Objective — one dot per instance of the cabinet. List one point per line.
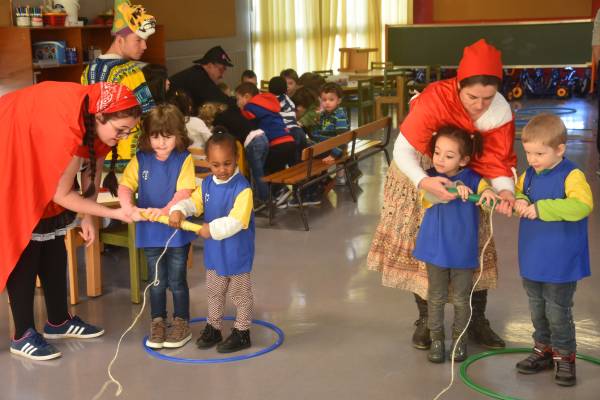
(16, 65)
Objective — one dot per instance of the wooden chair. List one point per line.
(394, 94)
(363, 101)
(324, 73)
(93, 270)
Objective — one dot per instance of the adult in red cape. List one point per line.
(471, 102)
(49, 132)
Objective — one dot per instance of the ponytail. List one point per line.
(88, 140)
(110, 181)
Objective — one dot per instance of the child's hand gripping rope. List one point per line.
(486, 202)
(185, 225)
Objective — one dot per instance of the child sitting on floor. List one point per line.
(225, 199)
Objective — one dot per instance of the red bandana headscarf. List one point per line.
(106, 97)
(480, 58)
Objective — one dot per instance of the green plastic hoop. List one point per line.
(490, 393)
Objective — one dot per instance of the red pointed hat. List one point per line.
(480, 58)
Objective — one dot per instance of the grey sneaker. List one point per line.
(179, 334)
(158, 331)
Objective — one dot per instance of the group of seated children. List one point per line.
(293, 114)
(553, 201)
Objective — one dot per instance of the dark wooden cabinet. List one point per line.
(16, 66)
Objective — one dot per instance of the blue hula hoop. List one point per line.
(273, 327)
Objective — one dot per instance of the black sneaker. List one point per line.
(210, 336)
(539, 360)
(238, 340)
(564, 369)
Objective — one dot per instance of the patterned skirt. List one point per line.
(396, 234)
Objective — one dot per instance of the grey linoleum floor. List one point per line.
(346, 336)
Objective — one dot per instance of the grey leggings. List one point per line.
(460, 279)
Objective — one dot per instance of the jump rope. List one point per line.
(189, 226)
(472, 198)
(185, 225)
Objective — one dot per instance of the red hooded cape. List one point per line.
(438, 106)
(41, 128)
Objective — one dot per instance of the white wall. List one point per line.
(181, 53)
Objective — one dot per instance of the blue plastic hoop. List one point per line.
(274, 328)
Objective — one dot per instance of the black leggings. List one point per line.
(47, 260)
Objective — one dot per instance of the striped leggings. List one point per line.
(240, 291)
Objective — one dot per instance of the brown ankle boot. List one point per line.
(421, 338)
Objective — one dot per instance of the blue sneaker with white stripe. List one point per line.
(72, 328)
(33, 346)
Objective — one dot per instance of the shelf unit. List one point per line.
(16, 65)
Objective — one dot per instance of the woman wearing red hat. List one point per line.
(471, 102)
(48, 132)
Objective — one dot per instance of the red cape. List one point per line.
(438, 106)
(41, 131)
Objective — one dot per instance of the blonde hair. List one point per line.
(547, 129)
(209, 111)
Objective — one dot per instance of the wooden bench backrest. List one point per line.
(327, 145)
(366, 130)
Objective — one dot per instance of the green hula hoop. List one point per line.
(490, 393)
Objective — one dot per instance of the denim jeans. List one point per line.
(551, 305)
(172, 273)
(461, 280)
(256, 153)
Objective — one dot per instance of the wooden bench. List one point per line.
(312, 169)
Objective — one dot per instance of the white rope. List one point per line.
(457, 341)
(155, 282)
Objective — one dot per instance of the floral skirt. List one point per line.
(395, 237)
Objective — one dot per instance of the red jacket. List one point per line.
(438, 106)
(41, 129)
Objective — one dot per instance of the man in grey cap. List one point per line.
(200, 82)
